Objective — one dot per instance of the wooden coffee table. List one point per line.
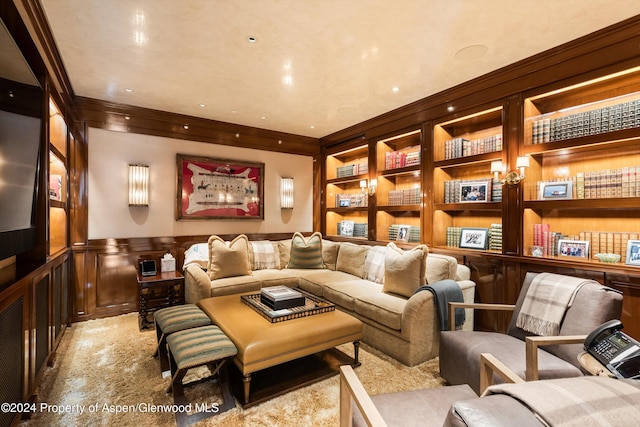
(263, 347)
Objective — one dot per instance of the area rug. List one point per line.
(105, 375)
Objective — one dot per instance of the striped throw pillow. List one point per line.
(306, 253)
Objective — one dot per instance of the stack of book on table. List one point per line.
(281, 297)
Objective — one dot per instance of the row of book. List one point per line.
(607, 119)
(404, 233)
(352, 170)
(494, 237)
(350, 228)
(404, 197)
(462, 147)
(472, 190)
(608, 183)
(352, 200)
(401, 159)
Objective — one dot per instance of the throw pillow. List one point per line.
(440, 267)
(351, 258)
(329, 254)
(197, 254)
(404, 270)
(228, 261)
(264, 254)
(374, 264)
(306, 253)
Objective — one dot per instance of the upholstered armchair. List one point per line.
(591, 304)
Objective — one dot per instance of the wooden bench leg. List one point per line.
(246, 380)
(356, 353)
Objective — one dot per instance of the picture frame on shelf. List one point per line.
(218, 189)
(573, 248)
(475, 191)
(474, 238)
(346, 228)
(633, 252)
(403, 233)
(558, 190)
(345, 203)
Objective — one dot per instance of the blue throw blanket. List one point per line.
(446, 291)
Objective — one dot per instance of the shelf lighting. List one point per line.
(286, 193)
(368, 189)
(138, 185)
(513, 177)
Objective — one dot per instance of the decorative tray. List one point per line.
(313, 305)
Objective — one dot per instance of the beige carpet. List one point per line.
(105, 367)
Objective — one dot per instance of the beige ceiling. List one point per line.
(317, 66)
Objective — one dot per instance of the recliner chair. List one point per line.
(460, 351)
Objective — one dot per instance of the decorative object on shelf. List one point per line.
(512, 177)
(475, 191)
(537, 251)
(558, 190)
(574, 248)
(403, 233)
(608, 258)
(167, 263)
(218, 188)
(474, 238)
(138, 185)
(286, 193)
(633, 252)
(369, 189)
(346, 228)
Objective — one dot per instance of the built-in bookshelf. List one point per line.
(58, 212)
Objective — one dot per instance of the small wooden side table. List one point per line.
(155, 292)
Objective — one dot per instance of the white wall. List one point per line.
(110, 216)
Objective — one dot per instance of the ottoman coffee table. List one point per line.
(272, 350)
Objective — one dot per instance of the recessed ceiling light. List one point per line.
(312, 127)
(186, 126)
(450, 108)
(252, 39)
(128, 90)
(263, 117)
(127, 117)
(395, 89)
(203, 105)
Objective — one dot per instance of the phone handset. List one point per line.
(607, 328)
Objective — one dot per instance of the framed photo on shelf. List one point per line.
(633, 252)
(574, 248)
(219, 189)
(346, 228)
(345, 203)
(403, 233)
(475, 191)
(557, 190)
(474, 238)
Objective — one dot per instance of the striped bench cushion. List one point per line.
(180, 317)
(199, 346)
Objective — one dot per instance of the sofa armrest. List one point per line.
(197, 284)
(489, 365)
(462, 273)
(479, 306)
(351, 390)
(531, 346)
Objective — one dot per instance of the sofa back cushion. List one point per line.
(330, 254)
(440, 267)
(374, 264)
(228, 261)
(404, 270)
(351, 258)
(264, 254)
(306, 253)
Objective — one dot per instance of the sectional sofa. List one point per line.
(376, 284)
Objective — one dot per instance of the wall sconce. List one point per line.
(371, 189)
(286, 193)
(511, 178)
(138, 185)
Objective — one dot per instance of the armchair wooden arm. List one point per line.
(490, 365)
(532, 344)
(480, 306)
(351, 390)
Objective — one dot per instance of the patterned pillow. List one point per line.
(404, 270)
(264, 255)
(374, 264)
(306, 253)
(228, 261)
(197, 254)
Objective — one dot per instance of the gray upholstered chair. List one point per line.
(460, 351)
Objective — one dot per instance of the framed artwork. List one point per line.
(219, 189)
(403, 233)
(475, 191)
(633, 252)
(556, 190)
(575, 248)
(474, 238)
(346, 228)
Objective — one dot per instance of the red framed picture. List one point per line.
(219, 189)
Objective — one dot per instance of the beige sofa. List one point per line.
(401, 324)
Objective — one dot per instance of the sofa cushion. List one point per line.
(264, 254)
(284, 247)
(306, 253)
(272, 277)
(228, 261)
(330, 253)
(440, 267)
(197, 254)
(404, 270)
(384, 308)
(345, 293)
(235, 285)
(374, 264)
(351, 258)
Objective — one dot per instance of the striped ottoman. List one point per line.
(206, 345)
(173, 319)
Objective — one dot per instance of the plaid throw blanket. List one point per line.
(578, 402)
(547, 299)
